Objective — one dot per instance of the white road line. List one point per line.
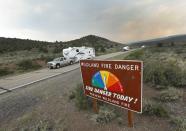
(38, 80)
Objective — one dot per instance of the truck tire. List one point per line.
(71, 62)
(57, 66)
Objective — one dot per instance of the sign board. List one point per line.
(115, 82)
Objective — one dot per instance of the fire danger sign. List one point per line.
(115, 82)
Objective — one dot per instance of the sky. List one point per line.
(118, 20)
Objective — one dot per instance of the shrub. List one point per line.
(160, 87)
(183, 79)
(5, 71)
(46, 58)
(82, 102)
(105, 115)
(57, 50)
(27, 65)
(72, 95)
(102, 49)
(180, 123)
(154, 73)
(164, 74)
(171, 94)
(151, 108)
(43, 49)
(159, 44)
(135, 55)
(173, 74)
(39, 126)
(172, 44)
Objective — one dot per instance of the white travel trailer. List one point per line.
(126, 48)
(79, 53)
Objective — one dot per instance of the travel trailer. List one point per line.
(79, 53)
(126, 48)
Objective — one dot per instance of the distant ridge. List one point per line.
(178, 39)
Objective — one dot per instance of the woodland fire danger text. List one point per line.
(128, 67)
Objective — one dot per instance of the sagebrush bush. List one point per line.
(152, 108)
(169, 95)
(136, 55)
(39, 126)
(82, 102)
(154, 73)
(179, 122)
(165, 74)
(46, 58)
(105, 115)
(174, 74)
(72, 95)
(5, 71)
(43, 49)
(161, 87)
(57, 50)
(27, 65)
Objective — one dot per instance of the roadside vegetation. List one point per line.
(28, 65)
(152, 108)
(5, 71)
(20, 55)
(171, 94)
(180, 122)
(107, 112)
(163, 66)
(164, 74)
(82, 102)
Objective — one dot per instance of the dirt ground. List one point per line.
(46, 106)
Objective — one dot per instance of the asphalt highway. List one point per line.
(14, 82)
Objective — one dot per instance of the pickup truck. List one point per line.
(59, 62)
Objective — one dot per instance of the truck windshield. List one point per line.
(57, 59)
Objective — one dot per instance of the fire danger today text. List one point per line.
(111, 97)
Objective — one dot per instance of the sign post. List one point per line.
(95, 106)
(115, 82)
(130, 119)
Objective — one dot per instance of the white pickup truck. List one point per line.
(59, 62)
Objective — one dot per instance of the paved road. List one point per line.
(14, 82)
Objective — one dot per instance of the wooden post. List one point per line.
(95, 106)
(130, 119)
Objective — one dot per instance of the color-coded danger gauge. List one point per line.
(107, 81)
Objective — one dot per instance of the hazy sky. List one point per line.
(117, 20)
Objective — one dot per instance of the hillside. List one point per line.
(20, 55)
(15, 44)
(164, 41)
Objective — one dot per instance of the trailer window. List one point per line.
(81, 53)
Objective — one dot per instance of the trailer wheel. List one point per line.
(71, 62)
(57, 66)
